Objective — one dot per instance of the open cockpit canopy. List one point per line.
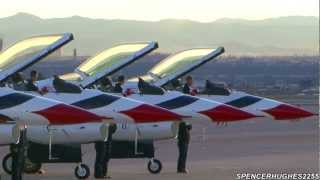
(27, 52)
(111, 60)
(179, 64)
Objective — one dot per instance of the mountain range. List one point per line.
(293, 35)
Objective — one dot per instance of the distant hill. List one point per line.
(283, 35)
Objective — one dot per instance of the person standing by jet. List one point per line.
(112, 130)
(18, 156)
(103, 155)
(118, 86)
(183, 144)
(99, 165)
(188, 87)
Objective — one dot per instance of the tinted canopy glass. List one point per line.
(110, 57)
(26, 49)
(71, 77)
(179, 62)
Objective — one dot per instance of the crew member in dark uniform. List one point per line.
(118, 86)
(183, 144)
(18, 156)
(30, 86)
(99, 165)
(112, 130)
(18, 83)
(103, 155)
(105, 84)
(188, 87)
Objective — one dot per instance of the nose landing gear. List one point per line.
(154, 166)
(82, 171)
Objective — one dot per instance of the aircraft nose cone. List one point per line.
(146, 113)
(64, 114)
(286, 112)
(224, 113)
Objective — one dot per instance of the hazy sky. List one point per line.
(152, 10)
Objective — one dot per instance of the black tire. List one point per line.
(155, 167)
(30, 167)
(7, 163)
(82, 171)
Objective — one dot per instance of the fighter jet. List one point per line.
(123, 110)
(17, 108)
(161, 124)
(18, 57)
(35, 110)
(170, 69)
(20, 111)
(138, 120)
(107, 62)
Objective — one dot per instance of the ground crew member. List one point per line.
(31, 83)
(112, 130)
(105, 84)
(188, 87)
(18, 83)
(99, 165)
(183, 144)
(18, 156)
(103, 155)
(118, 86)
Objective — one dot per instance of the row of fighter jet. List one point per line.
(148, 112)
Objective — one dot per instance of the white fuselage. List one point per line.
(110, 110)
(90, 132)
(82, 132)
(191, 107)
(256, 106)
(190, 110)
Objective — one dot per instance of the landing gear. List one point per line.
(29, 167)
(154, 166)
(82, 171)
(7, 163)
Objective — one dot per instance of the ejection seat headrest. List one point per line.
(62, 86)
(213, 89)
(147, 88)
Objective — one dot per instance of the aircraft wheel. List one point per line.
(82, 171)
(154, 166)
(30, 167)
(7, 163)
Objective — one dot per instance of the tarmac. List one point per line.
(219, 152)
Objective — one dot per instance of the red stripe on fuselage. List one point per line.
(146, 113)
(64, 114)
(224, 113)
(287, 112)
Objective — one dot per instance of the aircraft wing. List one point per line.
(179, 64)
(29, 51)
(111, 60)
